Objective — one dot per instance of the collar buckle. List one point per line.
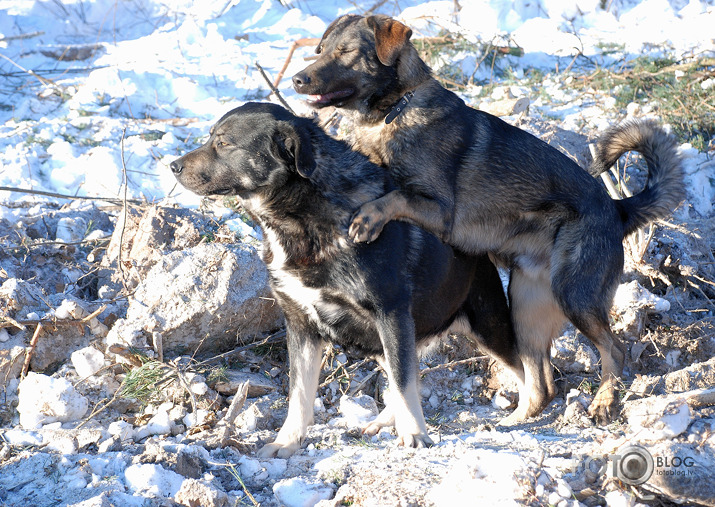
(399, 107)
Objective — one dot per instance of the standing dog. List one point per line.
(483, 185)
(382, 298)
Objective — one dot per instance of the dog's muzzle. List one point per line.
(176, 167)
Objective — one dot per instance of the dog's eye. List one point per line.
(343, 49)
(221, 144)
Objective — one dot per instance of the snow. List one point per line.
(177, 60)
(44, 400)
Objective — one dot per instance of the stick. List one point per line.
(33, 344)
(273, 88)
(113, 200)
(306, 41)
(274, 338)
(124, 222)
(41, 79)
(452, 364)
(239, 399)
(21, 36)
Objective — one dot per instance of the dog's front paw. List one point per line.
(415, 441)
(277, 450)
(367, 224)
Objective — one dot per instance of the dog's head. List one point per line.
(255, 146)
(360, 58)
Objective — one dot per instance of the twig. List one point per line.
(379, 4)
(33, 344)
(239, 399)
(21, 36)
(61, 243)
(273, 88)
(113, 200)
(274, 338)
(101, 408)
(120, 264)
(44, 81)
(452, 364)
(306, 41)
(22, 324)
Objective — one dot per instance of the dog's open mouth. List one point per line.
(330, 98)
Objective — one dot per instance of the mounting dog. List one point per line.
(483, 185)
(381, 299)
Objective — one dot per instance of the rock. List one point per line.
(619, 499)
(632, 303)
(71, 229)
(658, 418)
(43, 400)
(684, 473)
(573, 354)
(122, 430)
(87, 361)
(16, 294)
(695, 376)
(212, 290)
(506, 107)
(297, 492)
(358, 410)
(153, 479)
(159, 424)
(258, 385)
(11, 362)
(194, 493)
(145, 238)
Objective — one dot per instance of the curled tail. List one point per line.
(664, 188)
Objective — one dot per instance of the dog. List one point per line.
(482, 185)
(381, 299)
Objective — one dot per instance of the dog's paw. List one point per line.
(603, 410)
(516, 417)
(372, 429)
(366, 225)
(415, 441)
(276, 450)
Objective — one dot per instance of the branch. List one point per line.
(64, 196)
(273, 88)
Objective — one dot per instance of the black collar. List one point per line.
(399, 107)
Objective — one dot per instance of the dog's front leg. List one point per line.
(369, 220)
(400, 363)
(305, 354)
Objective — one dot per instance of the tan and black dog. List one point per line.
(381, 299)
(483, 185)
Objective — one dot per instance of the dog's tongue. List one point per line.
(327, 97)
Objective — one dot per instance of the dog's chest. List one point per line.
(315, 303)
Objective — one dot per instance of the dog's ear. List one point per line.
(391, 37)
(295, 147)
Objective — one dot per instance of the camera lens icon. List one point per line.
(634, 465)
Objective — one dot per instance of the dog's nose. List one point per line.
(300, 80)
(176, 167)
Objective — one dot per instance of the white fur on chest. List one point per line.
(310, 299)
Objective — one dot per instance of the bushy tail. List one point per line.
(664, 188)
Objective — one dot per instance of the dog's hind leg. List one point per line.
(400, 363)
(585, 279)
(305, 355)
(490, 324)
(537, 320)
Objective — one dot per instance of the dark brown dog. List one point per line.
(380, 299)
(483, 185)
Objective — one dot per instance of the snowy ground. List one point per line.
(95, 93)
